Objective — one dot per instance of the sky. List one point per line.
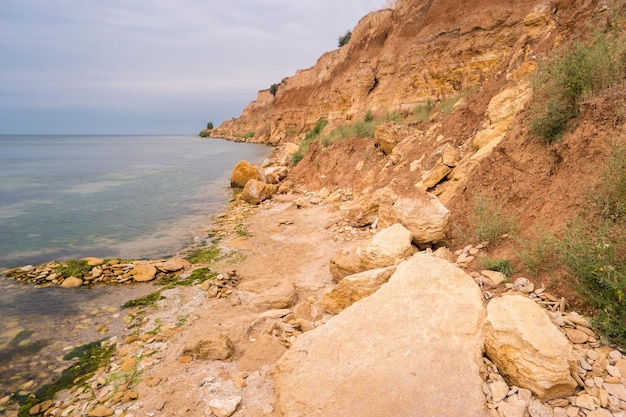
(154, 66)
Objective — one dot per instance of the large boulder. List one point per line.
(420, 212)
(355, 287)
(242, 173)
(257, 191)
(388, 247)
(413, 348)
(528, 349)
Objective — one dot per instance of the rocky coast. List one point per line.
(304, 314)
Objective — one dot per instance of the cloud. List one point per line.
(191, 57)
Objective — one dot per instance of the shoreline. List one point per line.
(200, 351)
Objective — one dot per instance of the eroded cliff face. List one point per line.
(423, 50)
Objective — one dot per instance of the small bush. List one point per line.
(539, 254)
(274, 89)
(317, 129)
(596, 258)
(612, 198)
(497, 264)
(569, 75)
(344, 39)
(489, 220)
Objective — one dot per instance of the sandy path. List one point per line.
(284, 244)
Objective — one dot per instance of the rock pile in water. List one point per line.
(96, 270)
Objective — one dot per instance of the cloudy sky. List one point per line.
(154, 66)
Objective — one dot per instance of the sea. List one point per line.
(73, 196)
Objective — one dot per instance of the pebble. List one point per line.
(576, 336)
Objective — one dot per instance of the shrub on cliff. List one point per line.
(571, 74)
(344, 39)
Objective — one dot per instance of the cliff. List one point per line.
(398, 59)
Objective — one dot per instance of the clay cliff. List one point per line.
(422, 51)
(468, 67)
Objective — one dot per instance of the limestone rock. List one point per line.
(266, 294)
(91, 261)
(422, 213)
(411, 348)
(447, 159)
(143, 272)
(527, 348)
(174, 264)
(287, 153)
(388, 135)
(72, 282)
(242, 173)
(100, 411)
(502, 110)
(495, 277)
(264, 351)
(224, 407)
(355, 287)
(214, 347)
(256, 191)
(345, 262)
(363, 210)
(273, 175)
(388, 247)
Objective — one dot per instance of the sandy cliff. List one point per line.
(397, 59)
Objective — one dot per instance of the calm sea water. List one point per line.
(127, 196)
(106, 196)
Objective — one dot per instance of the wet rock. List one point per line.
(72, 282)
(144, 272)
(174, 264)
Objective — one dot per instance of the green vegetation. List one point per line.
(209, 125)
(90, 357)
(310, 137)
(422, 112)
(149, 300)
(73, 268)
(274, 89)
(204, 255)
(594, 251)
(489, 221)
(344, 39)
(540, 253)
(498, 264)
(447, 104)
(571, 74)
